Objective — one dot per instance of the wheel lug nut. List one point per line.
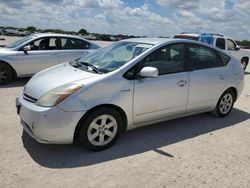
(99, 132)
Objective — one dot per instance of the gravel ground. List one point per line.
(197, 151)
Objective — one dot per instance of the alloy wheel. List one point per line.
(102, 130)
(226, 103)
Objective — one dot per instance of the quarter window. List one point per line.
(169, 59)
(224, 59)
(220, 43)
(201, 57)
(231, 45)
(72, 43)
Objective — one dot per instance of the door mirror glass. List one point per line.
(149, 72)
(26, 48)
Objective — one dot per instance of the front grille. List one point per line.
(29, 98)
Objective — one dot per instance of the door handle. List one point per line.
(53, 53)
(182, 83)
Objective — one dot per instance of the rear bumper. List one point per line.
(48, 125)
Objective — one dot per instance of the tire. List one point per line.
(6, 74)
(100, 129)
(225, 104)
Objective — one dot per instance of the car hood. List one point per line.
(51, 78)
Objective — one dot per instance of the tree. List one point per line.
(83, 32)
(31, 28)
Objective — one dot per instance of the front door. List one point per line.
(44, 53)
(166, 95)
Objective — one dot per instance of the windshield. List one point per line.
(114, 56)
(18, 42)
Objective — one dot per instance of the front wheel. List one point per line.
(225, 104)
(100, 129)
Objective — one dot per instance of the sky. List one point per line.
(151, 18)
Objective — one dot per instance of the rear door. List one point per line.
(207, 77)
(44, 53)
(72, 48)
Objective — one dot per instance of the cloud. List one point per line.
(180, 4)
(220, 16)
(114, 16)
(16, 4)
(106, 4)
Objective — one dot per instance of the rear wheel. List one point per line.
(225, 104)
(6, 74)
(100, 129)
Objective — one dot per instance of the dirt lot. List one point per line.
(197, 151)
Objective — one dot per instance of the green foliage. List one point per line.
(31, 28)
(83, 32)
(244, 43)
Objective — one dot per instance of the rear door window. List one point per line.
(201, 57)
(224, 59)
(72, 44)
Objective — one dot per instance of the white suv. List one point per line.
(222, 42)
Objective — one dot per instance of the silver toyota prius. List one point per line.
(29, 55)
(128, 84)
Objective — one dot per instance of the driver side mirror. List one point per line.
(237, 48)
(26, 48)
(149, 72)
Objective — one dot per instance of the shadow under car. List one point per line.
(132, 142)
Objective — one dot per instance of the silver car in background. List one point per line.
(36, 52)
(125, 85)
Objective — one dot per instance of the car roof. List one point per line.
(159, 41)
(55, 35)
(214, 35)
(189, 34)
(153, 41)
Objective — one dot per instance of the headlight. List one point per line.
(57, 95)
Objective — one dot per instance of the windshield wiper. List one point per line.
(93, 67)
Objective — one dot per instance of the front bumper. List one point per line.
(48, 125)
